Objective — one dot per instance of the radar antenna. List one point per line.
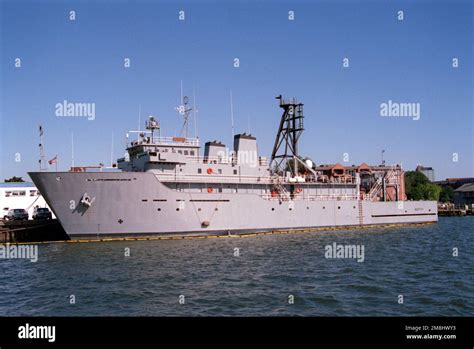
(152, 125)
(285, 151)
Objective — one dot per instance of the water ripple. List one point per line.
(274, 276)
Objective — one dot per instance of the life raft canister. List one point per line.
(274, 193)
(210, 189)
(209, 171)
(299, 190)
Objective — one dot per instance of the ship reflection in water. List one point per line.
(252, 276)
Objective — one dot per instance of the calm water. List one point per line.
(416, 262)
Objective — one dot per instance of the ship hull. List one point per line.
(130, 203)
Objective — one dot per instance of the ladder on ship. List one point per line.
(377, 190)
(282, 192)
(361, 213)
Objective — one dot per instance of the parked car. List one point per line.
(42, 213)
(16, 214)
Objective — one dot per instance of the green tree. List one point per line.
(418, 187)
(14, 180)
(447, 194)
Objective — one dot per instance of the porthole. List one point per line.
(338, 207)
(273, 208)
(159, 209)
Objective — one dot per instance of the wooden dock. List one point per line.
(31, 231)
(450, 210)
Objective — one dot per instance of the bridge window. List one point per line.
(199, 170)
(19, 193)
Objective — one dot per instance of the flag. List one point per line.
(53, 160)
(41, 130)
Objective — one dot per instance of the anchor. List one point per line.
(86, 200)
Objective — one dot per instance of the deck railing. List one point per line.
(299, 197)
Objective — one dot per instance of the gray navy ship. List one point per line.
(165, 186)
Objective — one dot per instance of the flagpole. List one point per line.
(42, 161)
(112, 152)
(72, 149)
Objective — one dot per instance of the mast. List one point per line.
(139, 116)
(112, 152)
(194, 114)
(42, 159)
(184, 110)
(285, 150)
(72, 149)
(232, 114)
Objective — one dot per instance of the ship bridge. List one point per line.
(177, 159)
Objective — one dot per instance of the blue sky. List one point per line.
(82, 61)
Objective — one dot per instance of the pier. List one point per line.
(52, 232)
(450, 210)
(31, 231)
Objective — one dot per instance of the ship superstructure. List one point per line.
(164, 185)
